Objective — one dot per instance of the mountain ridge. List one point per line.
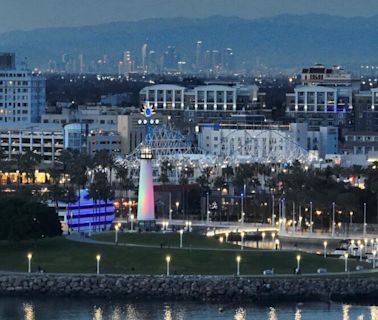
(283, 40)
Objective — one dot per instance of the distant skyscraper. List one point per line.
(170, 58)
(228, 60)
(81, 63)
(152, 62)
(144, 57)
(199, 62)
(215, 59)
(208, 59)
(24, 97)
(127, 62)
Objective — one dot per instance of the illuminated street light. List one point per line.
(181, 233)
(29, 262)
(168, 260)
(364, 226)
(242, 240)
(346, 255)
(277, 243)
(374, 252)
(361, 248)
(238, 259)
(298, 262)
(325, 248)
(116, 234)
(98, 258)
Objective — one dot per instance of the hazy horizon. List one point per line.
(34, 14)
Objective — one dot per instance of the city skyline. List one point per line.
(28, 15)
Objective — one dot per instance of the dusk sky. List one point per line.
(30, 14)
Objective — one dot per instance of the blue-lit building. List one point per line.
(85, 214)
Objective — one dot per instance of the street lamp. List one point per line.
(242, 240)
(263, 236)
(168, 260)
(298, 262)
(277, 242)
(311, 217)
(238, 259)
(29, 261)
(242, 207)
(325, 248)
(351, 217)
(116, 234)
(181, 233)
(346, 261)
(333, 220)
(207, 209)
(364, 226)
(130, 207)
(98, 258)
(374, 252)
(227, 234)
(221, 239)
(361, 248)
(132, 222)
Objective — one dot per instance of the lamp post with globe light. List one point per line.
(168, 261)
(238, 259)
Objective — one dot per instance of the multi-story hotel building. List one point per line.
(212, 100)
(324, 98)
(22, 92)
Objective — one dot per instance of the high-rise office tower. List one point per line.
(170, 58)
(127, 62)
(22, 93)
(228, 60)
(81, 64)
(198, 61)
(152, 62)
(144, 57)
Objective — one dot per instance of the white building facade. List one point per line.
(22, 95)
(270, 143)
(211, 97)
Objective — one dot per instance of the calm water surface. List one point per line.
(80, 309)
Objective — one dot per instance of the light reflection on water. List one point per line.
(80, 309)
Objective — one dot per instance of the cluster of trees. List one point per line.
(24, 217)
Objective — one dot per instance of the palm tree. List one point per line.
(77, 169)
(100, 190)
(124, 182)
(27, 163)
(164, 169)
(104, 159)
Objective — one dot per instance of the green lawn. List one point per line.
(62, 255)
(171, 239)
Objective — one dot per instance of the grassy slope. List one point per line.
(61, 255)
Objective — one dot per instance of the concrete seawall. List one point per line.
(202, 288)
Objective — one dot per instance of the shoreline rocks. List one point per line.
(200, 288)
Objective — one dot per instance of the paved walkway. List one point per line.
(79, 238)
